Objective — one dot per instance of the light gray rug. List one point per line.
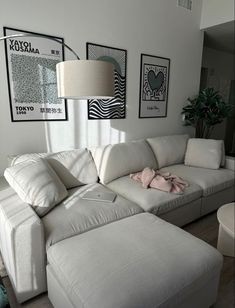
(3, 272)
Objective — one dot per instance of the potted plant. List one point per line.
(205, 111)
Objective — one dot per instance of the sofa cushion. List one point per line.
(169, 150)
(211, 181)
(153, 200)
(140, 261)
(22, 158)
(114, 161)
(37, 184)
(204, 153)
(74, 167)
(76, 215)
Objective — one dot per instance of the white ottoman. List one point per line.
(136, 262)
(226, 237)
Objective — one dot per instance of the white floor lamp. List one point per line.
(80, 79)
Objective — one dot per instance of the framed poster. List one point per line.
(31, 71)
(154, 80)
(114, 108)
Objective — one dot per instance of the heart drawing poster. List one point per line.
(154, 79)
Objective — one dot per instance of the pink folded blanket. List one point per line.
(162, 181)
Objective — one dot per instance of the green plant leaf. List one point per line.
(206, 110)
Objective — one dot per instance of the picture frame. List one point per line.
(154, 84)
(31, 74)
(115, 108)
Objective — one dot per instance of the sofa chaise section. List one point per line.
(139, 261)
(26, 233)
(24, 237)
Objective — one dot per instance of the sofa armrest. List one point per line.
(230, 163)
(22, 245)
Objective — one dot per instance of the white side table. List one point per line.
(226, 237)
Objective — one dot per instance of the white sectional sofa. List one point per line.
(101, 254)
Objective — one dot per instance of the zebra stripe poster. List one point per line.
(114, 108)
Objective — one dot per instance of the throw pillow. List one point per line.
(204, 153)
(37, 184)
(169, 150)
(74, 167)
(117, 160)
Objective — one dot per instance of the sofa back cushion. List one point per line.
(114, 161)
(74, 167)
(37, 184)
(204, 153)
(169, 150)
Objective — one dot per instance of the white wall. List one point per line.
(221, 62)
(220, 73)
(215, 12)
(150, 26)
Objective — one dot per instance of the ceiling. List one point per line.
(221, 37)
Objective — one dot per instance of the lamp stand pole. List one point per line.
(3, 38)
